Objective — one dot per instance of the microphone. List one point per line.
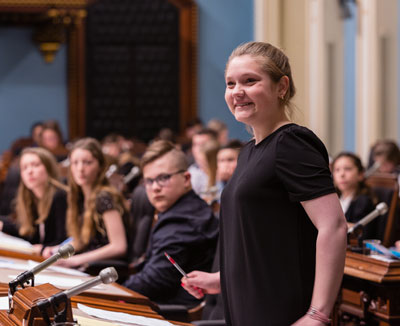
(375, 167)
(134, 172)
(60, 299)
(380, 209)
(111, 170)
(106, 276)
(64, 252)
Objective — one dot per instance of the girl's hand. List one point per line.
(199, 283)
(49, 251)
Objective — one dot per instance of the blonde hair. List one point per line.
(273, 62)
(26, 201)
(83, 228)
(210, 150)
(161, 147)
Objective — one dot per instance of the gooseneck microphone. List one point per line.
(380, 209)
(106, 276)
(64, 252)
(133, 173)
(59, 300)
(374, 168)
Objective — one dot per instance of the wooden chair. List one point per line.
(386, 188)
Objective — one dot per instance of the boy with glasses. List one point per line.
(185, 227)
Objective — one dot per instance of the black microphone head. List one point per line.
(66, 251)
(382, 208)
(108, 275)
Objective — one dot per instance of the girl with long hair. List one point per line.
(96, 211)
(40, 203)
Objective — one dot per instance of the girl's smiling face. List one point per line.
(250, 93)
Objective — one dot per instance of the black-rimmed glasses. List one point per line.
(162, 179)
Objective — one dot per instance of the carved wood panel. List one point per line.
(140, 69)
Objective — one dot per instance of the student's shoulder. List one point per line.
(60, 194)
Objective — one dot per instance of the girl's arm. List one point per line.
(116, 247)
(326, 214)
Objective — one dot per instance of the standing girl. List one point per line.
(282, 232)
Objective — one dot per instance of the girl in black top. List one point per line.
(96, 211)
(283, 233)
(40, 204)
(356, 198)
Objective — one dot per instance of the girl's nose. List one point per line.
(238, 90)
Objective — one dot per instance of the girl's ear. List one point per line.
(283, 86)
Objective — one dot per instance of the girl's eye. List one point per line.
(230, 84)
(250, 80)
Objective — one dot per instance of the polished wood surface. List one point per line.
(372, 269)
(112, 291)
(25, 312)
(370, 291)
(111, 297)
(20, 255)
(388, 181)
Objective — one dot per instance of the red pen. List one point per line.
(179, 268)
(173, 262)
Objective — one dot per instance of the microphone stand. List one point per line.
(358, 235)
(21, 280)
(56, 302)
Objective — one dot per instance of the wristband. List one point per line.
(318, 315)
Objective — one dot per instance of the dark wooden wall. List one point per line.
(133, 68)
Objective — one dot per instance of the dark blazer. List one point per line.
(54, 225)
(188, 232)
(359, 208)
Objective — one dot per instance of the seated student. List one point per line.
(355, 196)
(96, 211)
(41, 202)
(198, 170)
(386, 156)
(221, 129)
(51, 139)
(226, 162)
(209, 152)
(184, 227)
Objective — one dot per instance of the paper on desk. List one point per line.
(59, 269)
(123, 318)
(15, 244)
(4, 303)
(58, 281)
(9, 264)
(84, 321)
(384, 258)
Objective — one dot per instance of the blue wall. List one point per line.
(223, 24)
(30, 89)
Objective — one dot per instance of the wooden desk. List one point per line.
(133, 309)
(112, 291)
(113, 297)
(370, 290)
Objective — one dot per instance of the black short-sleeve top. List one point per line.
(267, 240)
(104, 202)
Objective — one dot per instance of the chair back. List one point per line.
(386, 188)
